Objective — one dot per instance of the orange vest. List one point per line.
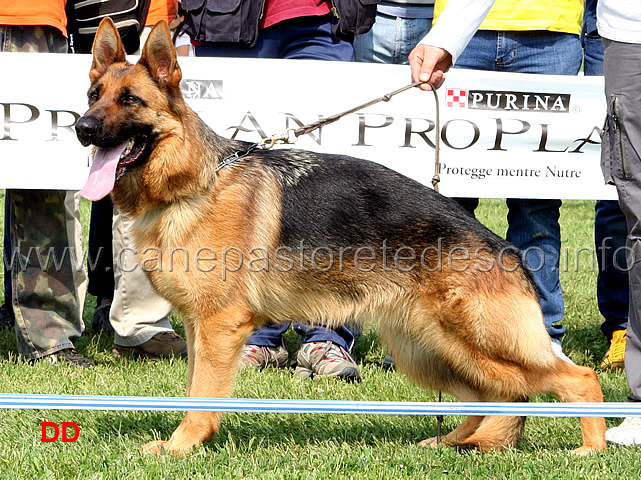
(34, 12)
(159, 9)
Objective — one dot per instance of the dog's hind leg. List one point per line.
(574, 383)
(214, 347)
(482, 432)
(494, 433)
(463, 431)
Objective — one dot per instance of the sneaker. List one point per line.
(557, 347)
(326, 359)
(101, 323)
(70, 356)
(628, 433)
(162, 345)
(262, 357)
(7, 320)
(615, 356)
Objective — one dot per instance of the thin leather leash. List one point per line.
(291, 135)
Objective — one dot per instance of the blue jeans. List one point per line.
(610, 229)
(592, 44)
(272, 335)
(533, 225)
(299, 38)
(391, 39)
(613, 296)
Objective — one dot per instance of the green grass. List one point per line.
(293, 446)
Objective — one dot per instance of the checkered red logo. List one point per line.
(456, 98)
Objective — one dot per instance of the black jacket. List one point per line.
(237, 20)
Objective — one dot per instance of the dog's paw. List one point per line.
(163, 447)
(157, 447)
(430, 443)
(587, 450)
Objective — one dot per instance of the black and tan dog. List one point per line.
(290, 235)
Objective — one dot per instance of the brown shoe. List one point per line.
(162, 345)
(69, 356)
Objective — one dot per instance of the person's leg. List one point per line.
(6, 251)
(269, 335)
(47, 281)
(46, 299)
(74, 239)
(266, 347)
(342, 336)
(379, 44)
(533, 227)
(310, 38)
(610, 232)
(469, 204)
(100, 263)
(533, 224)
(591, 40)
(536, 221)
(139, 316)
(299, 38)
(7, 319)
(621, 164)
(480, 53)
(100, 258)
(323, 352)
(391, 39)
(233, 50)
(326, 353)
(610, 229)
(523, 52)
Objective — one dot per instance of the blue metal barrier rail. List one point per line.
(99, 402)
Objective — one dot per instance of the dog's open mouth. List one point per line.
(109, 164)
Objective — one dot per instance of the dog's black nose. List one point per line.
(86, 128)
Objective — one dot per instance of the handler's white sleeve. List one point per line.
(457, 24)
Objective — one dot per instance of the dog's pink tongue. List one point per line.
(102, 176)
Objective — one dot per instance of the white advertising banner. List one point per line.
(502, 135)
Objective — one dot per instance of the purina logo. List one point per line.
(521, 101)
(456, 98)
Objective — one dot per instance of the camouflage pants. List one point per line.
(48, 279)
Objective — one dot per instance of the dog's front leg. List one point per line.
(214, 345)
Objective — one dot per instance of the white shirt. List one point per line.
(182, 40)
(619, 20)
(457, 24)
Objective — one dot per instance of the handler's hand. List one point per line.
(429, 64)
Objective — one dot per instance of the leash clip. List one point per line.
(289, 137)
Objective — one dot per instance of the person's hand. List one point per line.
(429, 64)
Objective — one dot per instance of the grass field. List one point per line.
(297, 446)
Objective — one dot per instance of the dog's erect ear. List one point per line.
(107, 49)
(159, 56)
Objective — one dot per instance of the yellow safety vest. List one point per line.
(527, 15)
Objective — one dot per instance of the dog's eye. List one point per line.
(130, 99)
(93, 97)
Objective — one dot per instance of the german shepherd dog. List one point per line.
(289, 234)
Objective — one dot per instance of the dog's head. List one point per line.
(131, 107)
